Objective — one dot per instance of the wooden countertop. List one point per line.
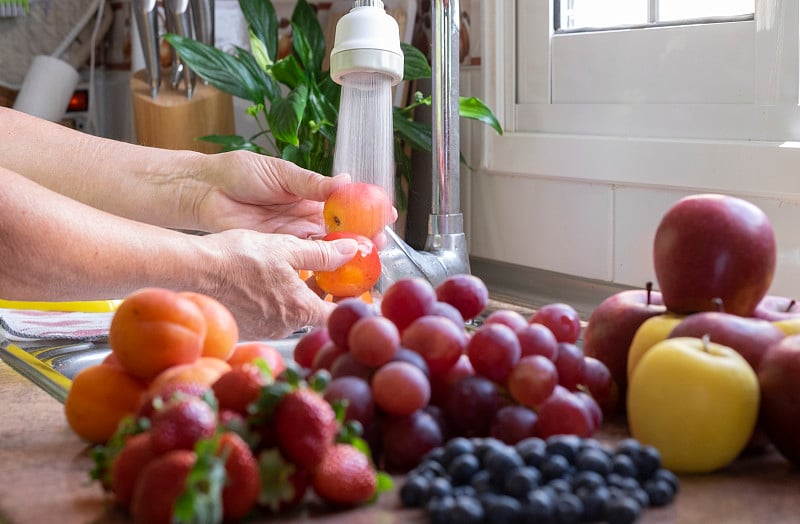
(44, 477)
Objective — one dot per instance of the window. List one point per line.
(573, 15)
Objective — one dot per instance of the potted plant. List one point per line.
(295, 103)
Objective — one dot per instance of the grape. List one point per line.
(471, 404)
(467, 293)
(564, 413)
(326, 355)
(443, 309)
(309, 345)
(400, 388)
(571, 366)
(600, 383)
(513, 423)
(373, 340)
(532, 380)
(342, 318)
(592, 407)
(437, 339)
(406, 300)
(407, 439)
(412, 357)
(507, 317)
(537, 339)
(347, 365)
(562, 319)
(443, 382)
(357, 393)
(493, 351)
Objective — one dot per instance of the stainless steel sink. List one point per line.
(52, 365)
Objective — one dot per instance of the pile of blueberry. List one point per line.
(562, 480)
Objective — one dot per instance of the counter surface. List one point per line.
(44, 476)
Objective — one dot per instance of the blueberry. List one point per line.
(589, 479)
(430, 468)
(482, 482)
(640, 495)
(659, 492)
(466, 491)
(564, 445)
(467, 510)
(439, 487)
(484, 445)
(439, 509)
(648, 462)
(560, 485)
(593, 459)
(521, 481)
(533, 450)
(670, 477)
(622, 510)
(456, 447)
(414, 491)
(594, 502)
(500, 462)
(555, 466)
(434, 455)
(624, 465)
(462, 468)
(540, 507)
(629, 446)
(569, 509)
(501, 509)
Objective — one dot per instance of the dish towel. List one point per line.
(25, 324)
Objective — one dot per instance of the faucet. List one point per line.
(445, 252)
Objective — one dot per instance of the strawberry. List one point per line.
(158, 396)
(160, 484)
(243, 483)
(305, 426)
(238, 388)
(283, 484)
(345, 476)
(128, 464)
(180, 423)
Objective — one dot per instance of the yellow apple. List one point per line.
(789, 326)
(695, 401)
(653, 330)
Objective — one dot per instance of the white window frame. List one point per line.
(747, 142)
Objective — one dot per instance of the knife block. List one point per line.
(172, 121)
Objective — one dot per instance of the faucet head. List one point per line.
(367, 41)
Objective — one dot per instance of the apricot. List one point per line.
(222, 331)
(247, 352)
(360, 208)
(154, 329)
(355, 277)
(99, 398)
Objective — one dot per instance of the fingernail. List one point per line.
(346, 246)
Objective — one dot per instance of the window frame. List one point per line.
(751, 147)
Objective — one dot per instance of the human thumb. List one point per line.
(330, 254)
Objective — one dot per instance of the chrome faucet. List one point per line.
(445, 252)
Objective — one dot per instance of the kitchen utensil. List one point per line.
(146, 13)
(179, 16)
(203, 15)
(13, 8)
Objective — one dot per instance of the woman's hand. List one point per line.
(260, 284)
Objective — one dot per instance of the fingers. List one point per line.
(312, 186)
(322, 255)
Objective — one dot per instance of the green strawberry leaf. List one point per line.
(319, 380)
(385, 482)
(103, 456)
(201, 501)
(276, 486)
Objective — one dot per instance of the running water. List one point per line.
(364, 135)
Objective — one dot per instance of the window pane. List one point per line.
(577, 14)
(669, 10)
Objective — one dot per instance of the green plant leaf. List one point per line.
(415, 64)
(286, 114)
(330, 90)
(415, 134)
(220, 69)
(323, 111)
(308, 40)
(232, 143)
(263, 23)
(260, 53)
(474, 108)
(269, 87)
(287, 71)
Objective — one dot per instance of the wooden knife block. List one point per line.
(172, 121)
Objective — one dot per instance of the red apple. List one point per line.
(714, 247)
(750, 337)
(611, 328)
(780, 396)
(774, 308)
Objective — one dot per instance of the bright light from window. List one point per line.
(579, 14)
